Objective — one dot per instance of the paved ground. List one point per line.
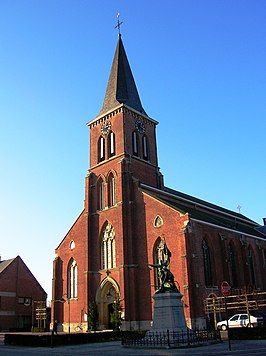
(247, 347)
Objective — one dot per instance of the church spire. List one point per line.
(121, 88)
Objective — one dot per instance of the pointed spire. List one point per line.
(121, 88)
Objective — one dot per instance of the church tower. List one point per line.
(123, 153)
(122, 129)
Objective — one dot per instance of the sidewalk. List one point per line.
(245, 347)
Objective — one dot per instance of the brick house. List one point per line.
(19, 289)
(128, 212)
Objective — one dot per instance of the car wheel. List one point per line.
(223, 327)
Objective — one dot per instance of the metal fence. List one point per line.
(169, 339)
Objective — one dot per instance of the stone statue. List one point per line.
(166, 277)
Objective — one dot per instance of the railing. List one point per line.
(169, 339)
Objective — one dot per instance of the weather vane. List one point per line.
(118, 23)
(239, 207)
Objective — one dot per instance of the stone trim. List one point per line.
(117, 110)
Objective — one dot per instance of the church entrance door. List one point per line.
(105, 301)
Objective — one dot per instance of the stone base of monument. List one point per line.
(168, 312)
(169, 326)
(169, 329)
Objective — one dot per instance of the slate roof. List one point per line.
(4, 264)
(121, 88)
(206, 212)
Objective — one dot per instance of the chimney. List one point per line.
(264, 221)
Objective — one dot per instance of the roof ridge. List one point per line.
(210, 205)
(202, 202)
(206, 213)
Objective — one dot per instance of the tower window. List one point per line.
(100, 194)
(135, 143)
(145, 147)
(101, 149)
(72, 278)
(111, 144)
(111, 190)
(108, 247)
(207, 264)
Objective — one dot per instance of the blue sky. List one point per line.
(200, 70)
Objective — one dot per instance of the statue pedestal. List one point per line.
(168, 312)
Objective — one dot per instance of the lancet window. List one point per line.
(100, 194)
(101, 149)
(108, 247)
(145, 147)
(233, 265)
(251, 267)
(111, 190)
(111, 144)
(72, 278)
(207, 264)
(135, 143)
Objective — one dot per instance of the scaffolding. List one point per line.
(241, 303)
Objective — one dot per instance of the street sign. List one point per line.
(225, 288)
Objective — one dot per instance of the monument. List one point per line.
(168, 308)
(169, 328)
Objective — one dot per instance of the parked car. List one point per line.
(241, 320)
(263, 315)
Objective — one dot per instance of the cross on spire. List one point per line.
(118, 24)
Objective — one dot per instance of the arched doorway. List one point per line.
(105, 298)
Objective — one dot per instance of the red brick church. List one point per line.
(128, 213)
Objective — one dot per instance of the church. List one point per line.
(129, 214)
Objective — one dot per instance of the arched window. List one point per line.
(207, 264)
(72, 279)
(135, 143)
(111, 144)
(251, 267)
(158, 221)
(145, 147)
(111, 190)
(100, 194)
(108, 247)
(232, 265)
(101, 149)
(72, 245)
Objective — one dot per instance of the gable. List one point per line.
(15, 270)
(78, 221)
